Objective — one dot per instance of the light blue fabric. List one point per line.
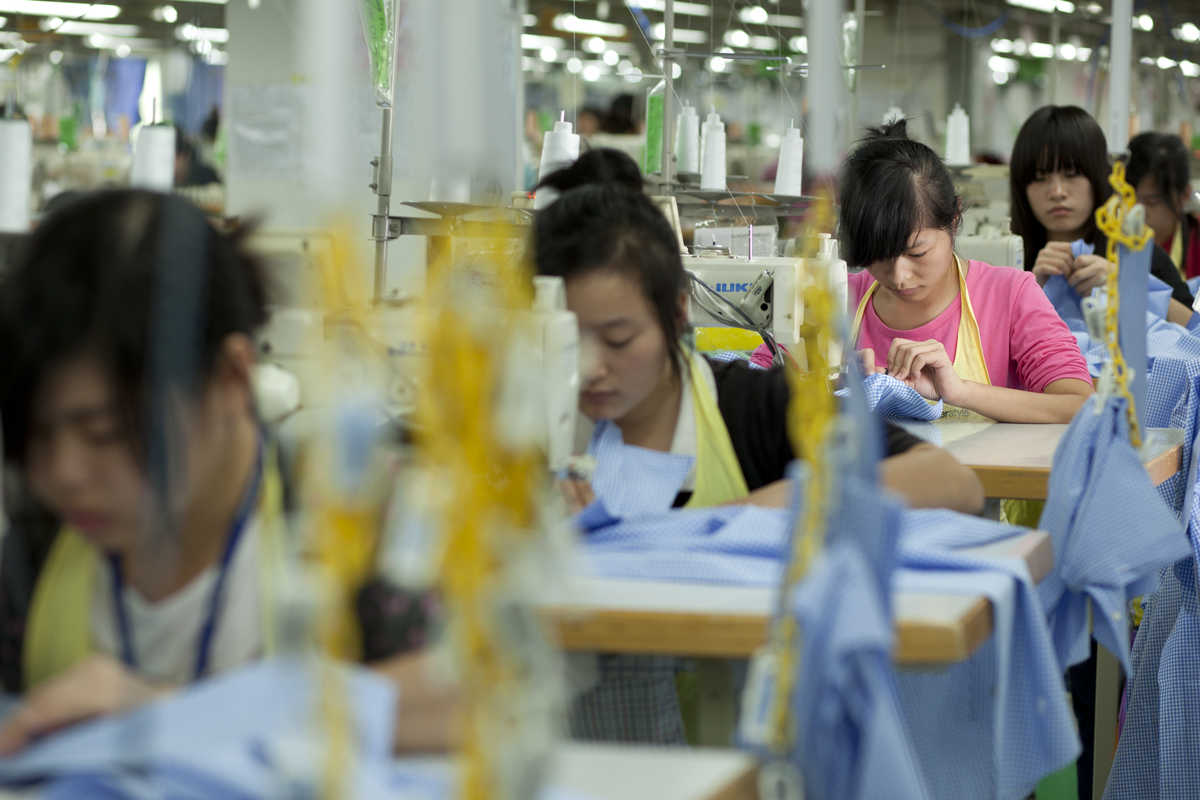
(996, 724)
(851, 737)
(1099, 493)
(214, 739)
(893, 399)
(659, 476)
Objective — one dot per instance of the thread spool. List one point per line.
(789, 177)
(687, 141)
(16, 175)
(154, 158)
(560, 148)
(958, 138)
(712, 166)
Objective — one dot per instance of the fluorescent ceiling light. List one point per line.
(1094, 8)
(1147, 60)
(1083, 53)
(611, 57)
(1020, 47)
(1000, 78)
(594, 44)
(74, 28)
(574, 65)
(690, 9)
(592, 72)
(785, 21)
(531, 41)
(1144, 22)
(1165, 63)
(529, 20)
(1046, 6)
(764, 42)
(192, 33)
(573, 24)
(737, 38)
(753, 15)
(548, 54)
(1002, 64)
(1041, 50)
(1187, 32)
(48, 8)
(799, 44)
(1067, 51)
(1002, 45)
(658, 31)
(1190, 69)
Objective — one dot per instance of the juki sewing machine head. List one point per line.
(761, 295)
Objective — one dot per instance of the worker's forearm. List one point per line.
(427, 709)
(929, 477)
(1014, 405)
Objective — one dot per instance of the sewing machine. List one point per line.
(733, 300)
(985, 235)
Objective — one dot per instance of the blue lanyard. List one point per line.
(208, 629)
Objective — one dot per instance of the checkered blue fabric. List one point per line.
(894, 399)
(1098, 493)
(659, 476)
(851, 739)
(996, 724)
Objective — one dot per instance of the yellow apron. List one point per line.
(58, 632)
(969, 363)
(1177, 251)
(719, 477)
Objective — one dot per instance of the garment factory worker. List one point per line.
(984, 339)
(133, 589)
(626, 284)
(1058, 177)
(1158, 170)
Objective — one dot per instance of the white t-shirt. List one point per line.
(166, 634)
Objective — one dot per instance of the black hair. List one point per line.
(1163, 157)
(604, 221)
(890, 188)
(97, 278)
(602, 165)
(1055, 138)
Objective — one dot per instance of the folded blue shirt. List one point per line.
(893, 399)
(1099, 492)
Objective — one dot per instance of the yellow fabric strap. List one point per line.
(1177, 250)
(57, 634)
(719, 477)
(58, 631)
(969, 362)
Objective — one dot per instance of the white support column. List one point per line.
(1120, 64)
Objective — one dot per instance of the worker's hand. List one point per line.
(866, 360)
(578, 494)
(96, 687)
(1054, 259)
(773, 495)
(926, 367)
(1088, 272)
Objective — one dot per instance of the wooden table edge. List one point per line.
(743, 786)
(739, 635)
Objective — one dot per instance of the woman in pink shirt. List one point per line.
(984, 339)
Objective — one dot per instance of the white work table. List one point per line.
(1013, 460)
(708, 620)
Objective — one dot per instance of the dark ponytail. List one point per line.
(603, 221)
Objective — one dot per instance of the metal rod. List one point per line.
(1055, 37)
(1119, 65)
(668, 121)
(860, 18)
(383, 171)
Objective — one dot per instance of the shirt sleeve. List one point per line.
(753, 404)
(1041, 346)
(1165, 270)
